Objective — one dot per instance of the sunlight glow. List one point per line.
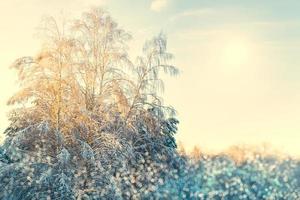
(235, 53)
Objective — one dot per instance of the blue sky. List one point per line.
(240, 75)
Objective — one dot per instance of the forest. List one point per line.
(90, 123)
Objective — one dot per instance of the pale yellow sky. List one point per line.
(240, 80)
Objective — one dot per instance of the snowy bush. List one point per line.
(220, 177)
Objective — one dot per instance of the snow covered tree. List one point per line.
(86, 118)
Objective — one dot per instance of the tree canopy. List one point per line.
(86, 115)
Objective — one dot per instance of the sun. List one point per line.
(236, 53)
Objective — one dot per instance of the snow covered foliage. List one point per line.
(86, 117)
(221, 177)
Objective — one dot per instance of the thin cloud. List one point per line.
(193, 13)
(158, 5)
